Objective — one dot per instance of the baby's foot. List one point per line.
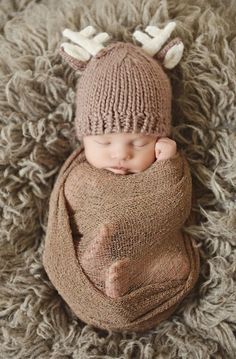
(118, 278)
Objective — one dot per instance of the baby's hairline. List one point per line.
(109, 135)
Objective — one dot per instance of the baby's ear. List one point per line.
(85, 46)
(152, 44)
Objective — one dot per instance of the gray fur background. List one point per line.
(37, 92)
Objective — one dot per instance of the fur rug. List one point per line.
(37, 92)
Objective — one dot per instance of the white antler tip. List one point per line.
(174, 55)
(136, 32)
(171, 24)
(89, 28)
(88, 31)
(65, 32)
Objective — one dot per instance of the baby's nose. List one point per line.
(121, 154)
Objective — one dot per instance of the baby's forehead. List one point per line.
(128, 136)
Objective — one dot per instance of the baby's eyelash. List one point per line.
(108, 143)
(140, 145)
(103, 143)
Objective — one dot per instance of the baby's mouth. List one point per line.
(119, 169)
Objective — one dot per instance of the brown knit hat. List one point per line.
(122, 89)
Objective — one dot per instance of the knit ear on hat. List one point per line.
(171, 54)
(79, 54)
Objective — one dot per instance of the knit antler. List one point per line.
(78, 54)
(171, 54)
(85, 45)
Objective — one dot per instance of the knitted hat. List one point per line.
(123, 88)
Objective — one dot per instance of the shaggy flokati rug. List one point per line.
(37, 92)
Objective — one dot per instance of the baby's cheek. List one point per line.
(94, 158)
(149, 156)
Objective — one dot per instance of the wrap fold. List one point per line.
(144, 213)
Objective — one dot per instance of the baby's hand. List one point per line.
(165, 148)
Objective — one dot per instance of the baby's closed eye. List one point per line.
(135, 144)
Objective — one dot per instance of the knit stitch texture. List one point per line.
(147, 211)
(123, 89)
(37, 91)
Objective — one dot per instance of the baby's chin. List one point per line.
(126, 171)
(119, 172)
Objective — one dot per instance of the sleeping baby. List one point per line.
(114, 248)
(122, 154)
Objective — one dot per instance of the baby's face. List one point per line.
(133, 152)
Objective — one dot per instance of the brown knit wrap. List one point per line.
(145, 211)
(122, 89)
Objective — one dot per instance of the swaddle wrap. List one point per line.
(114, 248)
